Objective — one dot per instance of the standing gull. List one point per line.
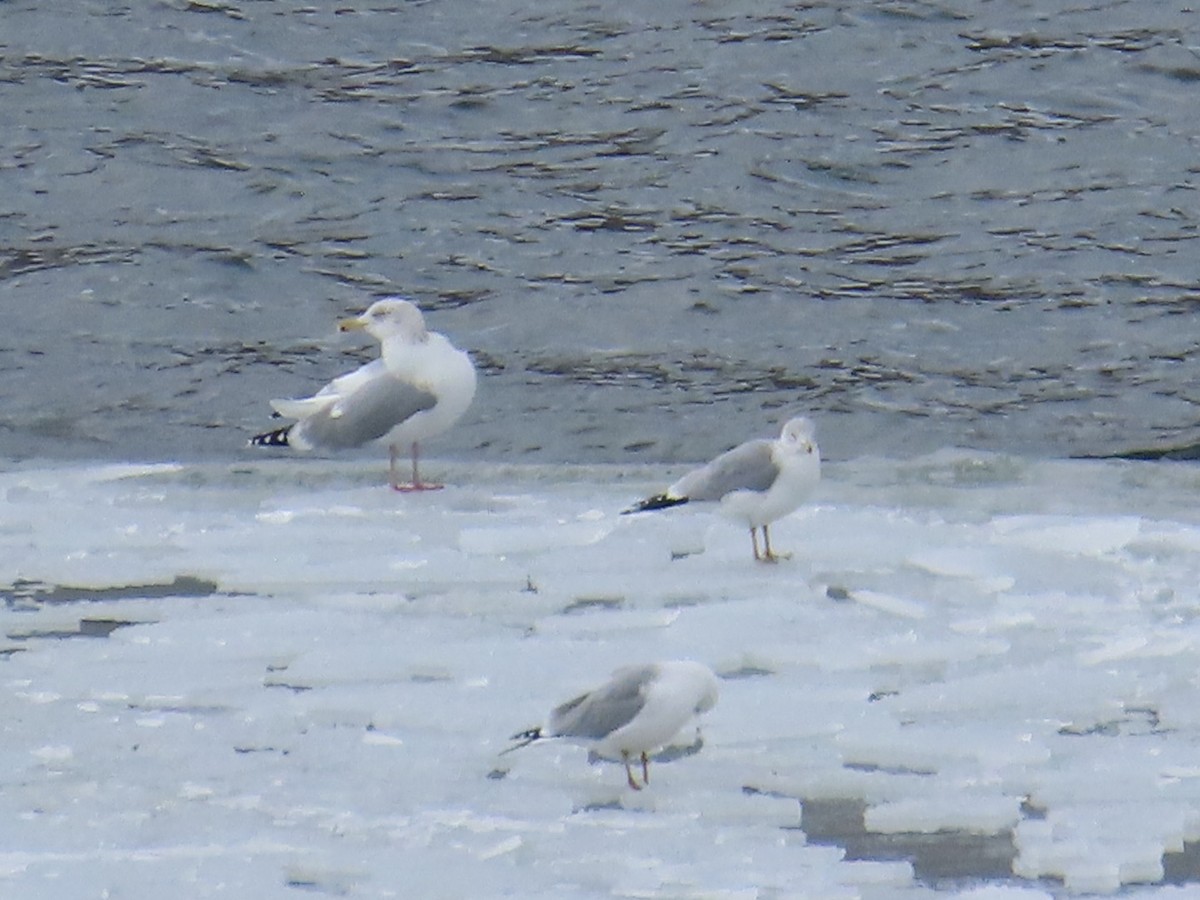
(756, 482)
(420, 386)
(635, 713)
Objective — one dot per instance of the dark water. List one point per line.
(658, 229)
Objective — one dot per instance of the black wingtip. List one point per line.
(276, 438)
(523, 739)
(658, 501)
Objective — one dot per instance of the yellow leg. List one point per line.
(770, 555)
(629, 773)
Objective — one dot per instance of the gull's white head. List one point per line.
(388, 318)
(800, 436)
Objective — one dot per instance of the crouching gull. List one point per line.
(755, 483)
(634, 714)
(420, 386)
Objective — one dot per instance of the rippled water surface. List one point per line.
(657, 229)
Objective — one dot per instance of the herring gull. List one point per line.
(755, 483)
(420, 386)
(635, 713)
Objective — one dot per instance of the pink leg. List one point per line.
(416, 484)
(645, 768)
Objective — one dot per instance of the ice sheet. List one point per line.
(279, 677)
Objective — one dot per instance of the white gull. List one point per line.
(756, 483)
(420, 386)
(634, 714)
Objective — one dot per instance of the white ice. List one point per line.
(961, 645)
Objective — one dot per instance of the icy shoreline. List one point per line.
(289, 678)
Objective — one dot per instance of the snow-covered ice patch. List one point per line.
(974, 677)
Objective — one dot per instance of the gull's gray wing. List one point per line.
(346, 384)
(342, 386)
(374, 408)
(599, 713)
(747, 467)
